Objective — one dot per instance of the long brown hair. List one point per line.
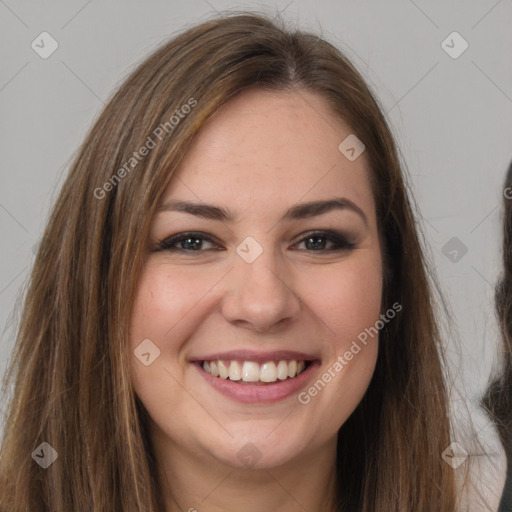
(71, 366)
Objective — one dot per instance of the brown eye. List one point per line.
(319, 241)
(186, 242)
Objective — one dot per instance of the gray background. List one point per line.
(452, 118)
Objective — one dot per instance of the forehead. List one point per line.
(263, 146)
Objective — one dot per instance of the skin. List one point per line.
(262, 153)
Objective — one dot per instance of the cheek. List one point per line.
(163, 313)
(347, 301)
(164, 302)
(346, 297)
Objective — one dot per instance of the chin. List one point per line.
(259, 450)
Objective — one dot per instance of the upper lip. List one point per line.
(257, 357)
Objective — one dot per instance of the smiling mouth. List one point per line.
(253, 373)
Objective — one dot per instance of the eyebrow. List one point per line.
(300, 211)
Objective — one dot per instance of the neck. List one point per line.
(200, 483)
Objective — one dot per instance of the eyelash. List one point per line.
(340, 242)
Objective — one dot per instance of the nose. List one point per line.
(260, 296)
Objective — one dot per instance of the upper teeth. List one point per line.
(249, 371)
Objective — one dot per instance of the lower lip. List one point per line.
(250, 394)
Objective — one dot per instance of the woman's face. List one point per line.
(274, 280)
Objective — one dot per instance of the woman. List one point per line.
(230, 306)
(499, 397)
